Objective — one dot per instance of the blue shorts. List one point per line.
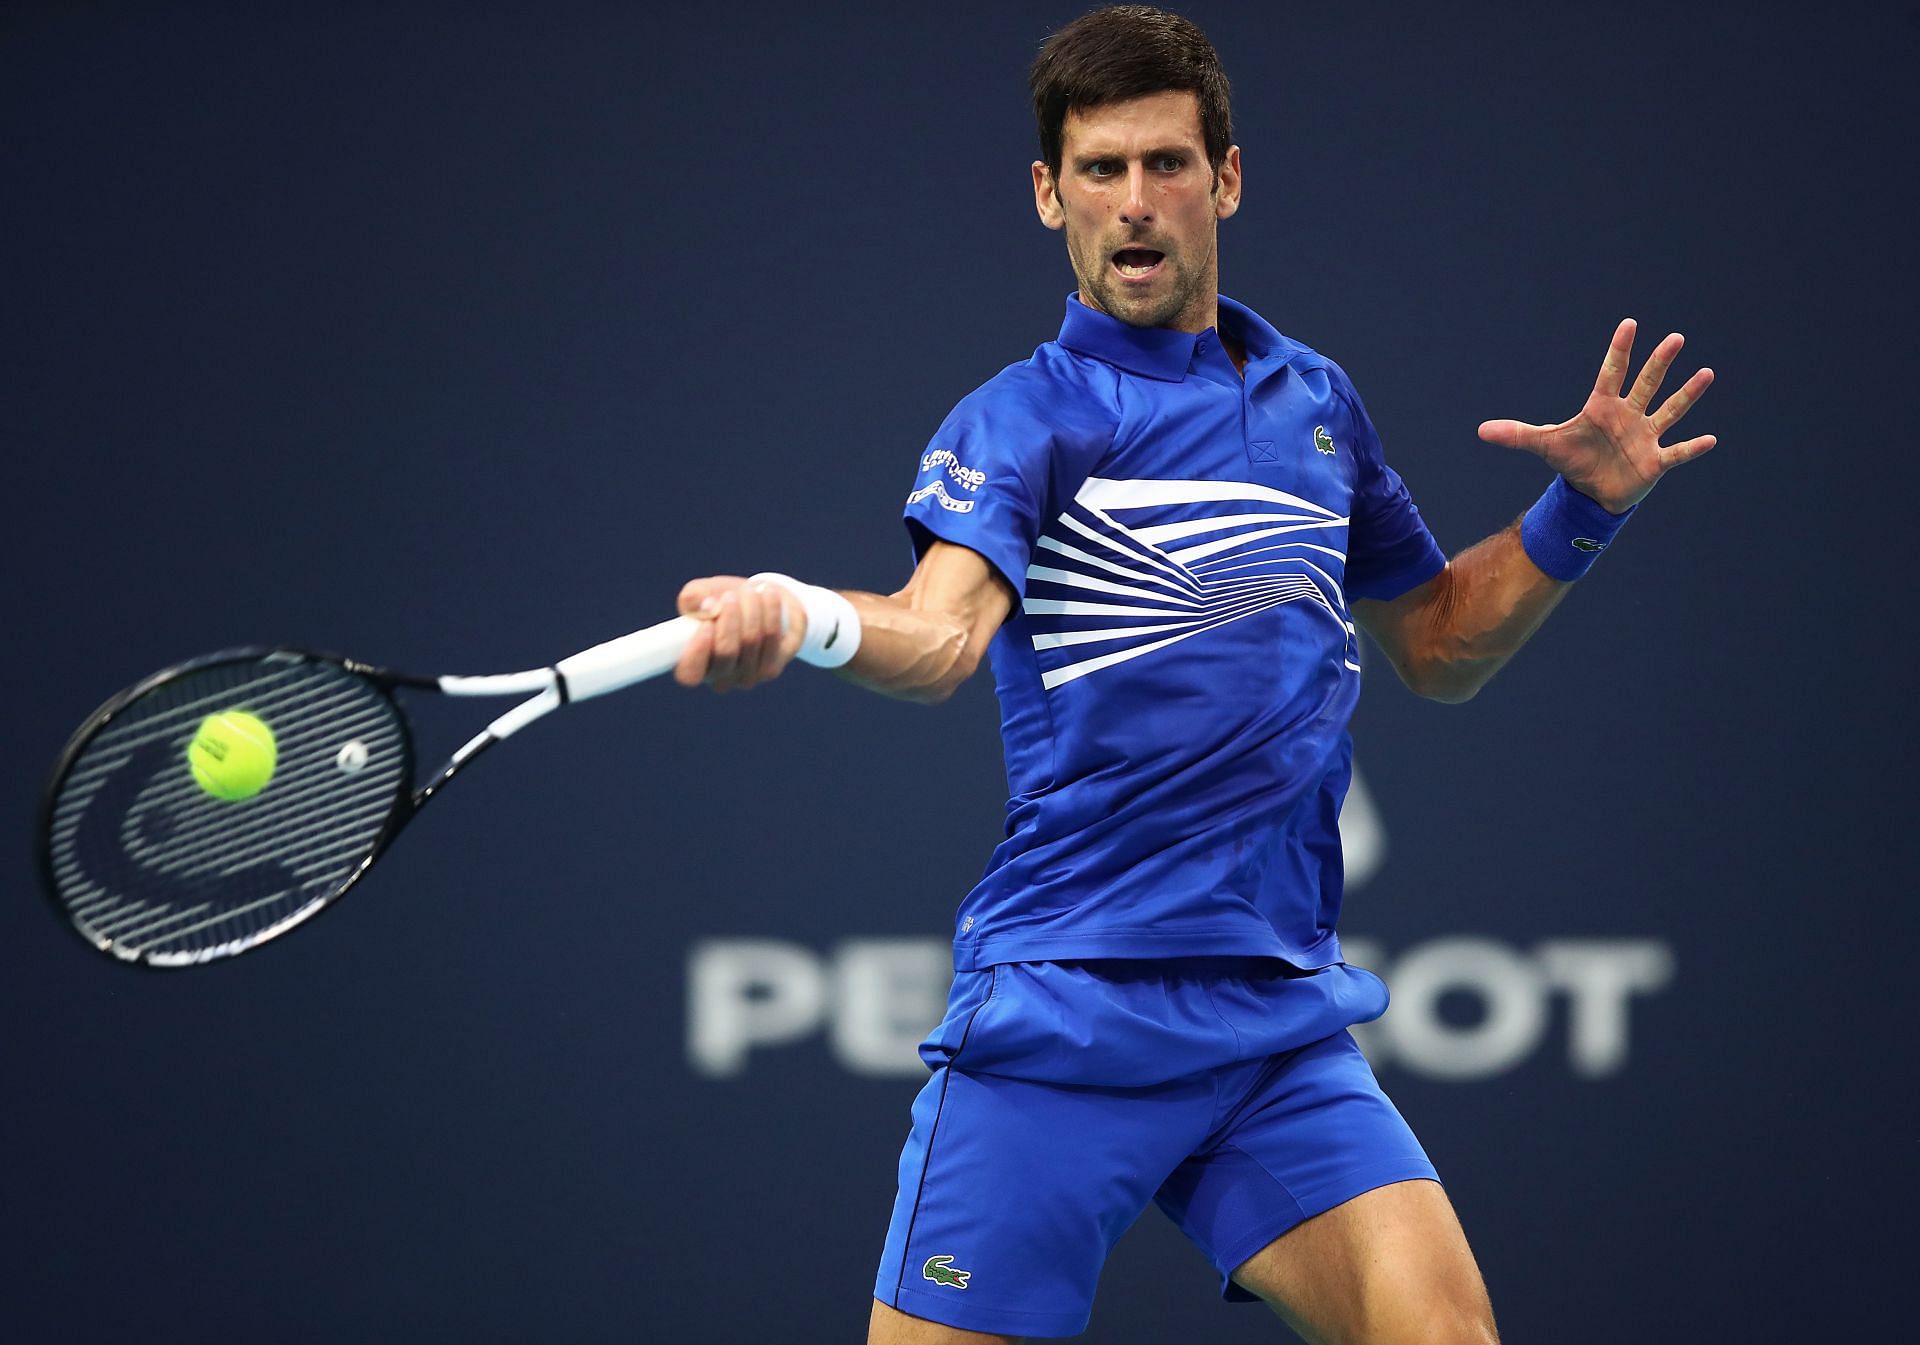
(1065, 1096)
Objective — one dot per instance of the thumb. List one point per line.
(1512, 434)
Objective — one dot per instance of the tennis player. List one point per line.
(1163, 527)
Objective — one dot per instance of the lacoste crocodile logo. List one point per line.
(1588, 544)
(1322, 440)
(831, 638)
(940, 1270)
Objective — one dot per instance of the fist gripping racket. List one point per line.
(224, 801)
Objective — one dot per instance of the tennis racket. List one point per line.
(152, 868)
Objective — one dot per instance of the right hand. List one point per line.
(748, 633)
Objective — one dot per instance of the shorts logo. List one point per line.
(940, 1270)
(1322, 440)
(938, 490)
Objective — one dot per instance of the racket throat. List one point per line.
(468, 751)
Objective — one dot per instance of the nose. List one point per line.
(1136, 210)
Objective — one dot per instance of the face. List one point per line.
(1141, 208)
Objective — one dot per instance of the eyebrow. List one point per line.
(1183, 150)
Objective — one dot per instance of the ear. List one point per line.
(1227, 190)
(1046, 196)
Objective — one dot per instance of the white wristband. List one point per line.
(833, 627)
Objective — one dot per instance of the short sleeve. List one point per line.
(1389, 548)
(984, 478)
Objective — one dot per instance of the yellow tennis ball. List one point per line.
(233, 755)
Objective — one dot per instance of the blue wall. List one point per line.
(457, 340)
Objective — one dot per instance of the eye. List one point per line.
(1170, 163)
(1102, 168)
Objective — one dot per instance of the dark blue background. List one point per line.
(457, 338)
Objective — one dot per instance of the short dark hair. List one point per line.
(1122, 52)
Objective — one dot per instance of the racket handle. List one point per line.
(629, 659)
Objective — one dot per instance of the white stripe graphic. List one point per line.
(1102, 494)
(1237, 571)
(1267, 596)
(1173, 532)
(1214, 567)
(1073, 607)
(1077, 670)
(1206, 549)
(1151, 555)
(1042, 574)
(1064, 638)
(1087, 557)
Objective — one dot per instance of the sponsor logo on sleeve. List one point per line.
(964, 477)
(937, 490)
(1322, 440)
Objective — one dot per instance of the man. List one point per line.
(1164, 526)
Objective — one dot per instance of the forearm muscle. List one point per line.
(1486, 604)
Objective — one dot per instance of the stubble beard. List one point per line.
(1184, 287)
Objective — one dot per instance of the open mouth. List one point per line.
(1137, 263)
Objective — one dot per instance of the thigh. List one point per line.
(1012, 1192)
(1303, 1132)
(1389, 1265)
(890, 1326)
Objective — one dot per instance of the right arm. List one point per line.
(918, 644)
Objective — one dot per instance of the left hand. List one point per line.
(1611, 452)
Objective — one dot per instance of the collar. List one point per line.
(1161, 352)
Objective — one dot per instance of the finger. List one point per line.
(747, 658)
(726, 642)
(786, 627)
(1656, 370)
(756, 664)
(1513, 434)
(691, 670)
(1613, 369)
(793, 627)
(774, 652)
(750, 624)
(1675, 454)
(697, 591)
(1681, 402)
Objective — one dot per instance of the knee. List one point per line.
(1477, 1330)
(1436, 1320)
(1447, 1325)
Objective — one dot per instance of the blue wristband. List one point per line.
(1565, 532)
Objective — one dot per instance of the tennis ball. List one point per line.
(232, 756)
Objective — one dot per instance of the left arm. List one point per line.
(1451, 634)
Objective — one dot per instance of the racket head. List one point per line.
(151, 868)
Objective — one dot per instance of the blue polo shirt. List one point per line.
(1176, 680)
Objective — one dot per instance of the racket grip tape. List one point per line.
(630, 658)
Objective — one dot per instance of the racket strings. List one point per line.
(214, 875)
